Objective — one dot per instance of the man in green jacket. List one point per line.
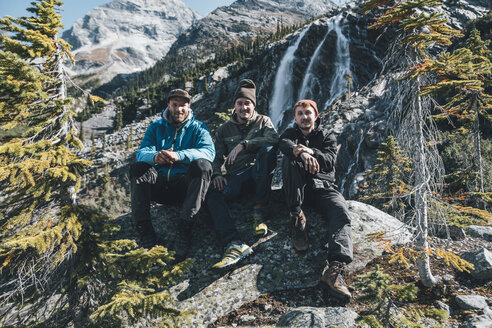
(246, 148)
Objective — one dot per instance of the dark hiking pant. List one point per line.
(260, 174)
(189, 189)
(299, 186)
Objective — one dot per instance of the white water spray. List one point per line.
(283, 89)
(342, 66)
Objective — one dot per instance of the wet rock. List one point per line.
(471, 302)
(482, 260)
(480, 232)
(318, 317)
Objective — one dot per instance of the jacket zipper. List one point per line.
(172, 148)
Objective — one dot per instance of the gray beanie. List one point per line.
(246, 89)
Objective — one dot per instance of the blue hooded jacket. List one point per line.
(191, 141)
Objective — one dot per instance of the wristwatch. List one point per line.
(244, 143)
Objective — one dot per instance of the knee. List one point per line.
(201, 168)
(138, 169)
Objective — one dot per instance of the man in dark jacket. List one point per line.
(246, 149)
(173, 165)
(308, 172)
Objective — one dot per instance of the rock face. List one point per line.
(245, 19)
(126, 36)
(318, 317)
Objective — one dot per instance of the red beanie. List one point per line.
(305, 103)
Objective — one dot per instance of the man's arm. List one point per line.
(147, 149)
(327, 155)
(202, 149)
(268, 137)
(286, 143)
(220, 150)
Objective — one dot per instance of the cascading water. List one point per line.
(283, 88)
(342, 66)
(355, 162)
(310, 80)
(283, 97)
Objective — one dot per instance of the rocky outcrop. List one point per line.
(274, 265)
(126, 36)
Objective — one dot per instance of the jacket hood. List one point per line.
(166, 116)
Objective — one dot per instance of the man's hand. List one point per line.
(233, 154)
(219, 182)
(166, 157)
(299, 149)
(310, 163)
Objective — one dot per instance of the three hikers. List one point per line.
(177, 163)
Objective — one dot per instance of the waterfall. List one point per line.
(310, 79)
(283, 88)
(355, 162)
(342, 66)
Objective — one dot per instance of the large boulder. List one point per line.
(274, 265)
(482, 260)
(483, 232)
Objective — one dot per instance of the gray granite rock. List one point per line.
(318, 317)
(482, 260)
(471, 302)
(478, 321)
(483, 232)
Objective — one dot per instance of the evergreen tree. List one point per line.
(93, 143)
(464, 74)
(419, 28)
(388, 179)
(52, 249)
(104, 143)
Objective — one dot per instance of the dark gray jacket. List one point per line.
(321, 141)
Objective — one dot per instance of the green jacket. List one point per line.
(258, 131)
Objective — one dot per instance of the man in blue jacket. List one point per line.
(173, 165)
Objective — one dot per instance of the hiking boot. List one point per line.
(333, 277)
(259, 227)
(148, 238)
(298, 231)
(233, 254)
(182, 242)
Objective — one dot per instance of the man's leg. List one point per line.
(333, 207)
(294, 178)
(219, 210)
(262, 173)
(196, 183)
(143, 179)
(235, 248)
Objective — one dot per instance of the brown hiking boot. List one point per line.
(298, 231)
(333, 277)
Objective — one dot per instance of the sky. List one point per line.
(74, 9)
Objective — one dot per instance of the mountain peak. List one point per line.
(125, 36)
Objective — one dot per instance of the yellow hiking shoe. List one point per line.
(233, 254)
(259, 227)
